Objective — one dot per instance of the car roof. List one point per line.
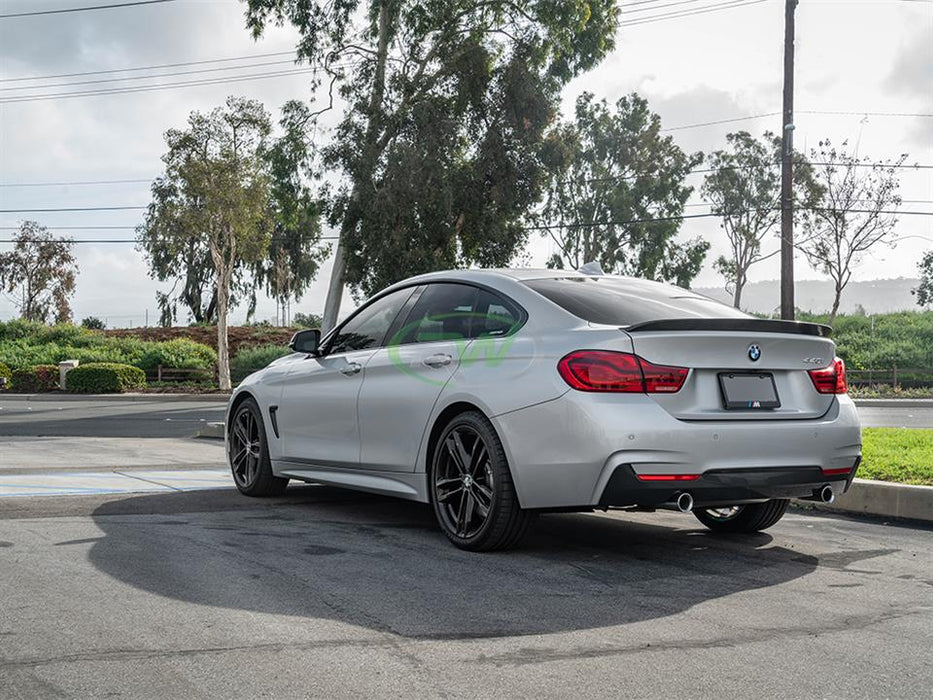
(525, 274)
(480, 275)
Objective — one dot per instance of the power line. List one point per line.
(145, 77)
(731, 4)
(153, 67)
(721, 121)
(866, 114)
(97, 241)
(799, 111)
(654, 5)
(84, 9)
(153, 88)
(71, 184)
(133, 228)
(76, 228)
(168, 86)
(641, 2)
(542, 227)
(61, 209)
(593, 224)
(695, 171)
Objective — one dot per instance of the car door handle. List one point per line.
(437, 360)
(351, 369)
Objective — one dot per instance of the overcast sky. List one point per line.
(853, 56)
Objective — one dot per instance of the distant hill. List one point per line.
(875, 296)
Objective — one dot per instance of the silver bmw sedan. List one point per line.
(495, 395)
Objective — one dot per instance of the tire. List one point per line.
(248, 453)
(753, 517)
(469, 473)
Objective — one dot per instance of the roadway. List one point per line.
(325, 593)
(172, 587)
(161, 417)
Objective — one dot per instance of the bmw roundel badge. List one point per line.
(754, 352)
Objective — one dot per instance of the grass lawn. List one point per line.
(904, 455)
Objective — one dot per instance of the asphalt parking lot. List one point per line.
(326, 593)
(329, 593)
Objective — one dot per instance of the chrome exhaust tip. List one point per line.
(827, 495)
(684, 502)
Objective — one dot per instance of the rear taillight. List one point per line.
(830, 380)
(621, 372)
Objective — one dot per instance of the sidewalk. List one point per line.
(32, 454)
(117, 481)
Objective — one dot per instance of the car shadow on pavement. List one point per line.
(380, 563)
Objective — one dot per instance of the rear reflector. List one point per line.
(621, 372)
(830, 380)
(668, 477)
(836, 472)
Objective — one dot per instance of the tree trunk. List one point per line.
(737, 295)
(223, 353)
(335, 287)
(835, 309)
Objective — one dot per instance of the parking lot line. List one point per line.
(139, 481)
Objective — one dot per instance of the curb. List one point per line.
(882, 498)
(213, 431)
(204, 398)
(898, 403)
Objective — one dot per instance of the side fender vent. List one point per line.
(275, 423)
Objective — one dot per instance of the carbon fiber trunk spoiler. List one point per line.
(749, 325)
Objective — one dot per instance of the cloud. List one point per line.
(912, 74)
(912, 77)
(702, 104)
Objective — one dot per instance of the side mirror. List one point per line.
(306, 341)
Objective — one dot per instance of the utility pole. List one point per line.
(335, 288)
(787, 168)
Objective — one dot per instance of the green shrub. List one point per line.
(93, 323)
(24, 345)
(6, 376)
(105, 378)
(180, 353)
(251, 359)
(300, 320)
(18, 328)
(904, 339)
(36, 379)
(65, 334)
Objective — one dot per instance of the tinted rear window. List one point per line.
(625, 302)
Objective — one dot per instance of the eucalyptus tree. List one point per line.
(38, 274)
(744, 189)
(616, 193)
(214, 197)
(924, 291)
(445, 107)
(857, 213)
(295, 250)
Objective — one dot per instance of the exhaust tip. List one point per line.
(827, 495)
(684, 503)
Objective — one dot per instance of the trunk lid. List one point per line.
(710, 347)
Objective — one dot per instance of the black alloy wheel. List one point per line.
(248, 453)
(472, 491)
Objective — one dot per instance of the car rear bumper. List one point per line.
(722, 487)
(585, 450)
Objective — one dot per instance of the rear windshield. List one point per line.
(625, 302)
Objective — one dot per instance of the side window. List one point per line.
(443, 312)
(368, 328)
(494, 316)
